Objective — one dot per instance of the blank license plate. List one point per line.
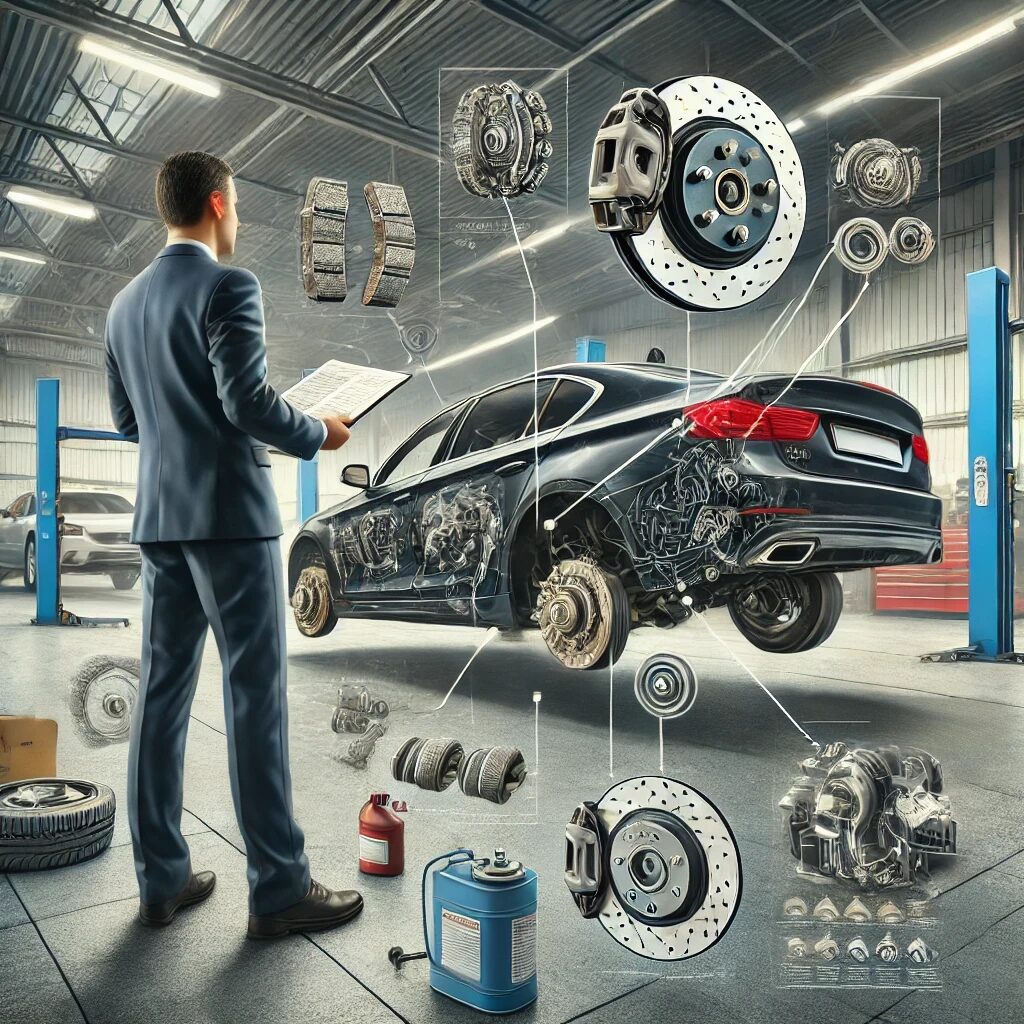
(860, 442)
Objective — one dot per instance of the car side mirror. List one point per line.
(4, 514)
(356, 476)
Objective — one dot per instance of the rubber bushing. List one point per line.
(404, 759)
(493, 773)
(437, 764)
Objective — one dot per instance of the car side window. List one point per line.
(500, 417)
(416, 454)
(568, 398)
(31, 509)
(19, 506)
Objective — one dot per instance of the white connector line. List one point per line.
(661, 745)
(803, 732)
(491, 633)
(611, 721)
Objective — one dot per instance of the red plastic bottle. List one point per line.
(381, 837)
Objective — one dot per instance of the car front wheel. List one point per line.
(788, 614)
(29, 571)
(313, 603)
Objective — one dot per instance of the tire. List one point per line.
(125, 579)
(313, 603)
(810, 606)
(52, 823)
(29, 564)
(621, 622)
(101, 695)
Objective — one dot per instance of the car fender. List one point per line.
(311, 534)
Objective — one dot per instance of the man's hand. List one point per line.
(337, 432)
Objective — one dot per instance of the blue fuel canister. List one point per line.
(482, 940)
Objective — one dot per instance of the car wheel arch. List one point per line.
(307, 549)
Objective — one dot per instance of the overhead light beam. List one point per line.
(164, 70)
(492, 343)
(64, 205)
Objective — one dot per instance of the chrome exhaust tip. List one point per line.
(786, 552)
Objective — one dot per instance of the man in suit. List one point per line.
(186, 374)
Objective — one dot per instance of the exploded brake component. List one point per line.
(857, 910)
(873, 815)
(796, 948)
(431, 764)
(356, 710)
(583, 614)
(394, 244)
(731, 211)
(911, 241)
(322, 232)
(887, 949)
(795, 906)
(630, 164)
(492, 773)
(920, 952)
(360, 750)
(665, 686)
(312, 602)
(418, 336)
(857, 949)
(876, 173)
(101, 695)
(657, 864)
(826, 910)
(861, 245)
(501, 139)
(827, 948)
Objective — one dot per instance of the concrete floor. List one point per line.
(71, 948)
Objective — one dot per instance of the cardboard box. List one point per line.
(28, 748)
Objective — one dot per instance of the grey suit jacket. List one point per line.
(187, 377)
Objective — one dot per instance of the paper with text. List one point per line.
(343, 389)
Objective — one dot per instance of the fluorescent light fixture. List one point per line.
(485, 346)
(21, 257)
(52, 203)
(881, 84)
(157, 68)
(795, 125)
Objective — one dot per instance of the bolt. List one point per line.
(766, 187)
(762, 209)
(750, 154)
(707, 218)
(726, 150)
(702, 173)
(739, 234)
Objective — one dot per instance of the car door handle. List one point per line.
(511, 467)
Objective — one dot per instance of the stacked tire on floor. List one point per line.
(52, 823)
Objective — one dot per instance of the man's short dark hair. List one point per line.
(184, 185)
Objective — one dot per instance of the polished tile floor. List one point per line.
(72, 950)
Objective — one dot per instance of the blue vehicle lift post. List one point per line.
(991, 472)
(308, 483)
(49, 434)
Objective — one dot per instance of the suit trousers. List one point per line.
(236, 588)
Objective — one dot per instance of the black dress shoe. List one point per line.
(196, 889)
(321, 908)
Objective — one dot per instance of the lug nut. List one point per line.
(739, 234)
(750, 154)
(706, 218)
(767, 187)
(726, 149)
(702, 173)
(761, 209)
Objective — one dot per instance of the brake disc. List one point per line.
(730, 215)
(575, 609)
(501, 139)
(312, 600)
(656, 862)
(861, 245)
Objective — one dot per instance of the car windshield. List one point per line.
(85, 503)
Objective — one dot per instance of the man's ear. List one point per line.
(217, 204)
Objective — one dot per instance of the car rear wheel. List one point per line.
(584, 614)
(29, 570)
(313, 603)
(788, 614)
(124, 580)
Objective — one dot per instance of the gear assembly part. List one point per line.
(101, 695)
(356, 709)
(501, 140)
(322, 234)
(826, 910)
(889, 913)
(665, 686)
(876, 173)
(583, 614)
(861, 245)
(887, 949)
(795, 906)
(394, 244)
(857, 910)
(492, 773)
(827, 948)
(857, 949)
(431, 764)
(920, 952)
(911, 241)
(725, 223)
(873, 815)
(657, 864)
(630, 164)
(796, 948)
(312, 602)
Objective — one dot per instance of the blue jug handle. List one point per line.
(454, 857)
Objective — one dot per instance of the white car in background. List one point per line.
(96, 528)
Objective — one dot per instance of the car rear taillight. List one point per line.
(920, 448)
(739, 418)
